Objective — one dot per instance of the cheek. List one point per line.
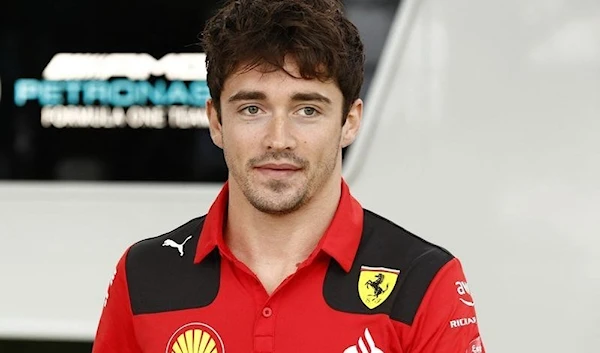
(239, 142)
(324, 147)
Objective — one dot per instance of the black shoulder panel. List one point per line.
(161, 278)
(385, 244)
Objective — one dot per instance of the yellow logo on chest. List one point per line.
(375, 284)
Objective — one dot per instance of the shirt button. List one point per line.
(267, 312)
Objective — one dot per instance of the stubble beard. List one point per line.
(279, 199)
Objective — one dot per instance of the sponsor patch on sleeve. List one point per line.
(475, 346)
(465, 321)
(462, 288)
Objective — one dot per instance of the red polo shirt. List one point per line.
(369, 286)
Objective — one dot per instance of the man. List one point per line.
(286, 260)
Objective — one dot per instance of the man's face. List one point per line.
(282, 136)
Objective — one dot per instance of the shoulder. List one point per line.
(407, 264)
(386, 240)
(381, 232)
(147, 248)
(158, 271)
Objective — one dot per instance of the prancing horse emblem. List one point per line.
(375, 284)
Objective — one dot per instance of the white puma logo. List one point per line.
(173, 244)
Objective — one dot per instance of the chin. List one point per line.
(277, 209)
(279, 204)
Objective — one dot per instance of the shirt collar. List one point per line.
(342, 237)
(211, 235)
(340, 241)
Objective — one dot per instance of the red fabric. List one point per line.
(116, 331)
(446, 320)
(295, 317)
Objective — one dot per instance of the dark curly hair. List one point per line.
(316, 33)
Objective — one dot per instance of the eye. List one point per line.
(251, 109)
(308, 111)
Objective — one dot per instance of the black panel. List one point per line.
(385, 244)
(35, 346)
(160, 279)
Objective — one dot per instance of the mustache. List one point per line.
(278, 156)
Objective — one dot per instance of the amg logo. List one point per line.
(463, 322)
(135, 66)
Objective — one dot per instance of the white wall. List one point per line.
(481, 134)
(488, 139)
(61, 242)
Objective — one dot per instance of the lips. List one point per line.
(277, 170)
(282, 167)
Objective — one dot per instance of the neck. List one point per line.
(261, 239)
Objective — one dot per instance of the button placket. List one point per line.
(264, 330)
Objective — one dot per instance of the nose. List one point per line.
(279, 135)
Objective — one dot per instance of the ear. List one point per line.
(352, 124)
(214, 123)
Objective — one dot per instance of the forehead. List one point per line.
(274, 81)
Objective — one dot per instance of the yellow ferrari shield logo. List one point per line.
(375, 284)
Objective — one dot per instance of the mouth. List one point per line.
(278, 170)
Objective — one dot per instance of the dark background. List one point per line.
(28, 40)
(32, 32)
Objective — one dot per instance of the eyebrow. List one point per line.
(247, 95)
(312, 96)
(258, 95)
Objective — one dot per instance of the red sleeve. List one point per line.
(115, 331)
(446, 320)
